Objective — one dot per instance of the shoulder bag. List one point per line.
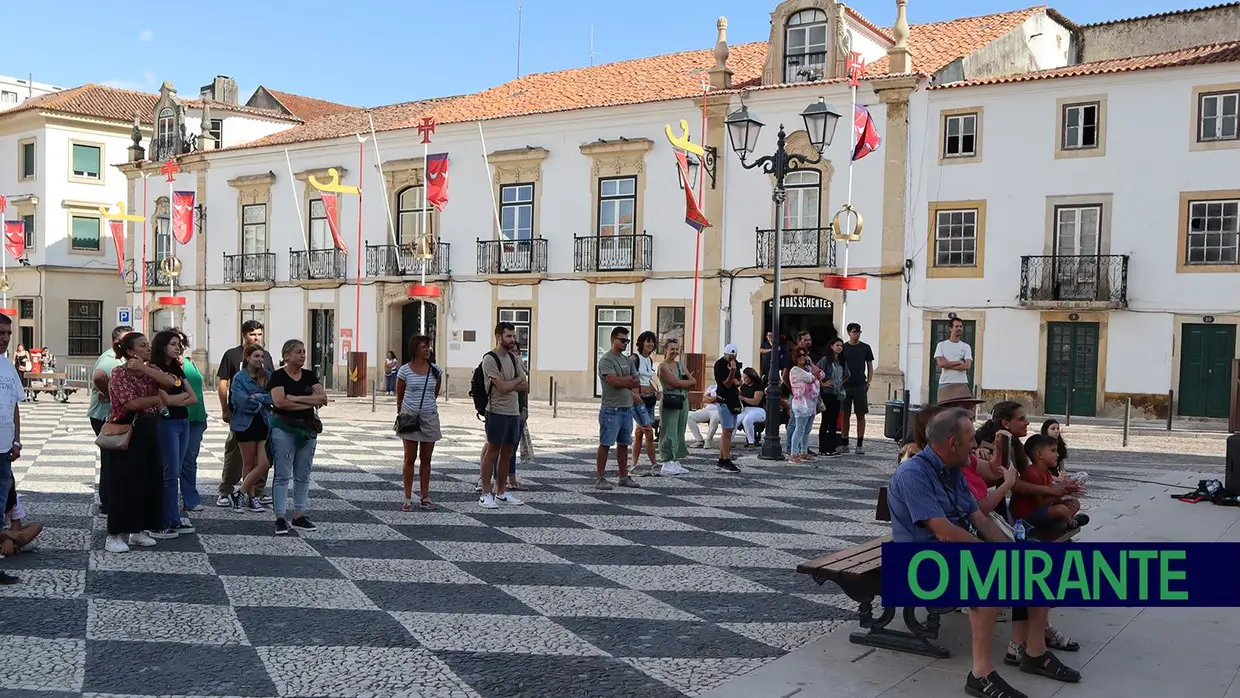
(411, 422)
(115, 436)
(674, 400)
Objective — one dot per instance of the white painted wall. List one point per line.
(14, 91)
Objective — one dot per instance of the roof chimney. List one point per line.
(901, 59)
(222, 89)
(720, 76)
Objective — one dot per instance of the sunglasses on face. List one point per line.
(624, 341)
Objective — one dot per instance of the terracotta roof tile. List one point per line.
(115, 104)
(391, 117)
(1197, 55)
(936, 44)
(307, 108)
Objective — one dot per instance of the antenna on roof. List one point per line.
(591, 44)
(518, 38)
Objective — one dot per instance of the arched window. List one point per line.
(801, 208)
(163, 230)
(166, 133)
(805, 46)
(411, 207)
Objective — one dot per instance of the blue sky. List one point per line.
(371, 52)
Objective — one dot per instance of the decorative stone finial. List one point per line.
(900, 57)
(136, 152)
(720, 76)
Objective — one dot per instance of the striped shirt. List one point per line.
(419, 389)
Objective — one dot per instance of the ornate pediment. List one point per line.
(169, 138)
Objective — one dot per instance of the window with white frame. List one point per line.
(1077, 231)
(216, 130)
(1217, 116)
(257, 314)
(86, 161)
(165, 134)
(253, 228)
(320, 233)
(412, 212)
(516, 211)
(7, 97)
(85, 327)
(1213, 232)
(521, 319)
(960, 135)
(1080, 126)
(804, 192)
(617, 206)
(85, 233)
(26, 167)
(163, 229)
(805, 46)
(955, 238)
(28, 221)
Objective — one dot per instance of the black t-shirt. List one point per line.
(180, 411)
(230, 365)
(294, 388)
(728, 395)
(855, 356)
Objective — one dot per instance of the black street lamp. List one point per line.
(743, 129)
(697, 165)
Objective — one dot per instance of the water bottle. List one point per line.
(1019, 529)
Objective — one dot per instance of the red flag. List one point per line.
(15, 238)
(856, 67)
(693, 214)
(4, 203)
(183, 216)
(118, 241)
(867, 136)
(437, 180)
(331, 206)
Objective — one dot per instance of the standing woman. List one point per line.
(21, 362)
(135, 477)
(249, 400)
(645, 398)
(191, 501)
(804, 406)
(835, 375)
(675, 412)
(295, 393)
(390, 365)
(173, 430)
(418, 416)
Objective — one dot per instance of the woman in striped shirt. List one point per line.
(417, 387)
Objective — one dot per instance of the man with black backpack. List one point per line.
(495, 386)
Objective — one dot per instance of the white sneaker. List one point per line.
(487, 501)
(142, 540)
(674, 468)
(508, 498)
(114, 544)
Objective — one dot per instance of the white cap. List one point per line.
(731, 350)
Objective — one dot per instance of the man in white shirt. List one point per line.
(709, 414)
(11, 393)
(954, 356)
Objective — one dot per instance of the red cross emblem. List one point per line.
(426, 128)
(856, 66)
(170, 168)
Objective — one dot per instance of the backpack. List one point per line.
(478, 388)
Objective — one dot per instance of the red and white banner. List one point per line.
(15, 238)
(118, 242)
(867, 137)
(437, 180)
(4, 203)
(693, 214)
(183, 216)
(331, 207)
(855, 67)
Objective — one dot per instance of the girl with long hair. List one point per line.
(1052, 429)
(250, 401)
(295, 394)
(173, 431)
(835, 375)
(390, 365)
(804, 406)
(645, 398)
(191, 501)
(416, 403)
(676, 382)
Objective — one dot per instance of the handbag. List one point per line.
(1004, 526)
(114, 436)
(411, 422)
(673, 401)
(650, 401)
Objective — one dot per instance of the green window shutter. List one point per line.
(85, 160)
(85, 233)
(29, 223)
(27, 160)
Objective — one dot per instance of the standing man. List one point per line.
(954, 356)
(505, 378)
(11, 393)
(230, 365)
(728, 402)
(859, 358)
(100, 405)
(615, 413)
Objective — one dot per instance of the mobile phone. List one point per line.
(1003, 446)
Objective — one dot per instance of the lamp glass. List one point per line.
(820, 122)
(743, 130)
(695, 170)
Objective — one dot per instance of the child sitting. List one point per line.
(1052, 429)
(1046, 507)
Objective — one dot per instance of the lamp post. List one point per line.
(743, 128)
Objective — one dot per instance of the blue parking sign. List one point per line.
(124, 315)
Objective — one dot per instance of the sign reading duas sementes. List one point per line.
(803, 303)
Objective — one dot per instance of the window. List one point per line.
(805, 46)
(1077, 231)
(28, 222)
(26, 167)
(960, 135)
(617, 204)
(217, 132)
(259, 314)
(25, 308)
(163, 230)
(7, 97)
(955, 238)
(85, 327)
(804, 189)
(412, 211)
(320, 233)
(86, 159)
(166, 134)
(521, 319)
(1218, 114)
(1213, 232)
(670, 324)
(516, 211)
(606, 319)
(85, 234)
(1080, 126)
(253, 228)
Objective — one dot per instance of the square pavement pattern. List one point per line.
(669, 590)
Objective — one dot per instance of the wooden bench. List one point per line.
(858, 571)
(50, 383)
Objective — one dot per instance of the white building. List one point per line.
(14, 91)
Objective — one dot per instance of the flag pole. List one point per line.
(852, 151)
(486, 161)
(697, 244)
(142, 270)
(292, 187)
(387, 205)
(172, 249)
(357, 296)
(426, 146)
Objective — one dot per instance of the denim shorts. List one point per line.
(643, 416)
(727, 419)
(503, 429)
(615, 426)
(1041, 518)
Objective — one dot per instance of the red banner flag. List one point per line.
(118, 241)
(693, 214)
(4, 203)
(867, 136)
(855, 67)
(437, 180)
(15, 238)
(331, 207)
(183, 216)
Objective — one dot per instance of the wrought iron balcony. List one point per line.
(154, 275)
(1086, 281)
(613, 253)
(314, 265)
(256, 267)
(802, 247)
(404, 260)
(512, 256)
(805, 67)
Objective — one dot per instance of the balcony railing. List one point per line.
(805, 67)
(249, 268)
(802, 247)
(154, 275)
(512, 256)
(404, 260)
(1094, 279)
(613, 253)
(316, 264)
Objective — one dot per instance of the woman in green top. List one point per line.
(676, 382)
(191, 501)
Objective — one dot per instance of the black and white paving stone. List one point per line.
(670, 590)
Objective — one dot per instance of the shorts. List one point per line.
(256, 432)
(430, 432)
(642, 415)
(615, 426)
(856, 400)
(502, 429)
(1041, 518)
(727, 418)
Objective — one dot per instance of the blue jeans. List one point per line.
(291, 460)
(189, 466)
(799, 428)
(727, 418)
(615, 426)
(512, 464)
(173, 442)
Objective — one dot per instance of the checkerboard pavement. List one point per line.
(669, 590)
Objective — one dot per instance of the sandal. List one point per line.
(1015, 651)
(407, 506)
(1048, 665)
(516, 486)
(1056, 640)
(990, 686)
(428, 505)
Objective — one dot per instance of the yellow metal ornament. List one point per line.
(683, 141)
(334, 185)
(426, 249)
(170, 266)
(842, 217)
(5, 286)
(121, 216)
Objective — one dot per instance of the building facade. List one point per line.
(14, 91)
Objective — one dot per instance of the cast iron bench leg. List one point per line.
(875, 633)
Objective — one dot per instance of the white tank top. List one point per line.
(645, 370)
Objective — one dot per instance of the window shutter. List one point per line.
(86, 159)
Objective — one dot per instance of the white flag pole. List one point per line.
(387, 205)
(292, 187)
(486, 160)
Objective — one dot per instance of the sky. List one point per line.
(373, 52)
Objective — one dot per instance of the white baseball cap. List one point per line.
(730, 350)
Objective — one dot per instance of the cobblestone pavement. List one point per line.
(666, 591)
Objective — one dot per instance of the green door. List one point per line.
(940, 330)
(1072, 367)
(1206, 355)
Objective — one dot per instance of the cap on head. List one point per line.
(730, 350)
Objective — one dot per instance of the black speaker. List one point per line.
(1232, 477)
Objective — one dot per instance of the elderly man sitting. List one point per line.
(930, 501)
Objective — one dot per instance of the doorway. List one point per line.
(1072, 368)
(411, 326)
(1206, 356)
(605, 320)
(804, 313)
(323, 345)
(27, 338)
(941, 331)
